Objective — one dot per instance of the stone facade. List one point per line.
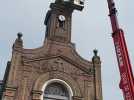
(56, 61)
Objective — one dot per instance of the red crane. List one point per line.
(126, 83)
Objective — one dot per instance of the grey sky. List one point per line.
(91, 29)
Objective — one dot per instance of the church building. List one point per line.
(54, 71)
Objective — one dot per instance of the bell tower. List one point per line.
(58, 19)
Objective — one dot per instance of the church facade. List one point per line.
(54, 71)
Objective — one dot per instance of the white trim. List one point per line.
(59, 81)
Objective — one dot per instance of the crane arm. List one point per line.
(126, 83)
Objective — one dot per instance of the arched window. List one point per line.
(56, 91)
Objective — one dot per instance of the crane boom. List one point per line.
(126, 83)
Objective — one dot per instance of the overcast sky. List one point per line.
(91, 29)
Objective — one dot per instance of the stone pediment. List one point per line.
(57, 63)
(56, 50)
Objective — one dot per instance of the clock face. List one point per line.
(62, 18)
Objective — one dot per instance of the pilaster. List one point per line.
(16, 60)
(97, 76)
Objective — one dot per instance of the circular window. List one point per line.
(56, 91)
